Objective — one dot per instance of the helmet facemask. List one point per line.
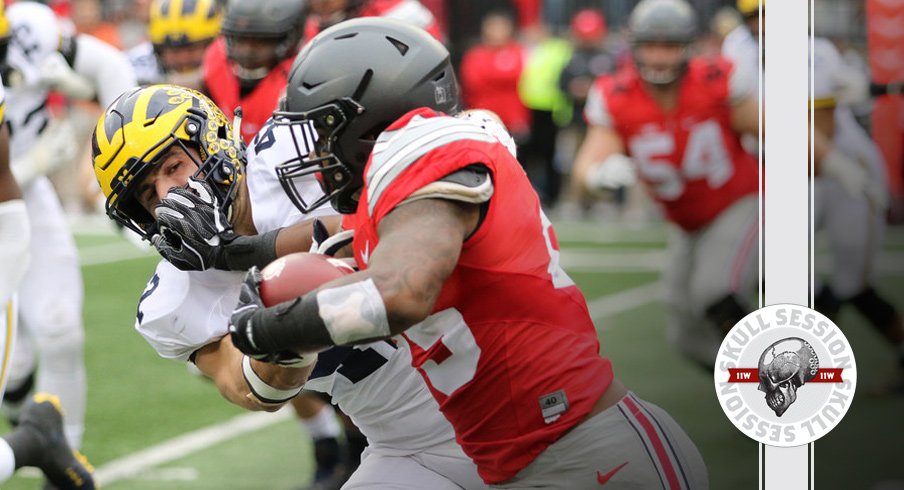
(321, 129)
(661, 74)
(215, 167)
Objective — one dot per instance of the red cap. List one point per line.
(588, 25)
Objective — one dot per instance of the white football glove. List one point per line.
(56, 146)
(56, 73)
(615, 171)
(855, 178)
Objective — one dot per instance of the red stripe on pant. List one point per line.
(658, 446)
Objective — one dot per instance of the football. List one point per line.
(296, 274)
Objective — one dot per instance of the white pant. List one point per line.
(854, 233)
(441, 468)
(50, 308)
(8, 321)
(632, 445)
(704, 267)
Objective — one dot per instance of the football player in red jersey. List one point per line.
(249, 64)
(457, 256)
(680, 118)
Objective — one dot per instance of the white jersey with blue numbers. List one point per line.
(35, 35)
(374, 384)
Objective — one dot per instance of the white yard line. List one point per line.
(621, 260)
(622, 301)
(184, 445)
(112, 252)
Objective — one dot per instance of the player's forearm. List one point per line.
(298, 237)
(222, 362)
(822, 147)
(598, 144)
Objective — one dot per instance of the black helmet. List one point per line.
(351, 82)
(279, 20)
(662, 21)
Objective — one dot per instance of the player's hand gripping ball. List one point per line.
(296, 274)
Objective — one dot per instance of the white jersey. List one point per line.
(35, 36)
(144, 62)
(374, 383)
(742, 49)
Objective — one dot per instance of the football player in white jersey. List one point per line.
(180, 31)
(850, 186)
(38, 440)
(175, 137)
(852, 211)
(83, 67)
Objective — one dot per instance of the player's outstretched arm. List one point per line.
(419, 246)
(223, 363)
(600, 143)
(195, 234)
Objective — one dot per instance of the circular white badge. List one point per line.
(785, 375)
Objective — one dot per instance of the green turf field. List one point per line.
(151, 424)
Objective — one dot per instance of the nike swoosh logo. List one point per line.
(603, 479)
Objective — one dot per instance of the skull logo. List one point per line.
(784, 367)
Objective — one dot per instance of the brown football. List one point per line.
(296, 274)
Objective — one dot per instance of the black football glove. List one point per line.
(324, 243)
(249, 321)
(194, 233)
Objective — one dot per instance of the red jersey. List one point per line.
(223, 88)
(410, 11)
(510, 352)
(690, 157)
(489, 80)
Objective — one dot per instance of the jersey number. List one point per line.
(451, 350)
(705, 157)
(149, 290)
(559, 278)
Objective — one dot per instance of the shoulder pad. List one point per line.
(472, 184)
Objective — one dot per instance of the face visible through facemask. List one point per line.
(661, 63)
(252, 57)
(173, 169)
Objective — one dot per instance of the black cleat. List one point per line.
(40, 433)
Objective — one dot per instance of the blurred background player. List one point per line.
(411, 445)
(180, 31)
(850, 187)
(851, 204)
(38, 439)
(679, 119)
(325, 13)
(248, 65)
(51, 323)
